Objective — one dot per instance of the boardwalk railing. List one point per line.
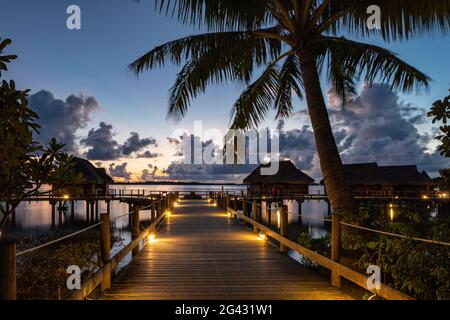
(160, 207)
(337, 269)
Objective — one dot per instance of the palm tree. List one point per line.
(293, 41)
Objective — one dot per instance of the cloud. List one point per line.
(62, 119)
(134, 143)
(297, 145)
(148, 155)
(213, 172)
(102, 145)
(147, 174)
(119, 171)
(179, 170)
(377, 127)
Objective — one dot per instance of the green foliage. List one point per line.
(4, 59)
(445, 179)
(43, 274)
(319, 245)
(417, 268)
(440, 112)
(24, 164)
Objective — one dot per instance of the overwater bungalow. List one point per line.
(96, 181)
(370, 179)
(287, 181)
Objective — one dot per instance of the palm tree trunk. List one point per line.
(338, 190)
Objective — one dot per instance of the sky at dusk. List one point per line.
(85, 95)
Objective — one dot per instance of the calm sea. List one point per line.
(36, 217)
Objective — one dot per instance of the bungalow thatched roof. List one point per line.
(91, 173)
(287, 173)
(372, 174)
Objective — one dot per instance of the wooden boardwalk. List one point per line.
(200, 253)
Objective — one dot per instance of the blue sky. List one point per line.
(94, 61)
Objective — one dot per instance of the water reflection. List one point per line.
(36, 216)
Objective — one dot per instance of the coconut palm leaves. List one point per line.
(235, 55)
(278, 48)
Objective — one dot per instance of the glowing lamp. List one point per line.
(391, 214)
(66, 197)
(278, 219)
(262, 235)
(424, 196)
(151, 237)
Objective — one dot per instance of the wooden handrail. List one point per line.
(96, 279)
(354, 276)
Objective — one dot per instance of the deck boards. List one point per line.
(202, 254)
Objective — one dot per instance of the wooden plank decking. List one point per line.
(200, 253)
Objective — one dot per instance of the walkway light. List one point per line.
(66, 197)
(151, 237)
(262, 235)
(278, 218)
(424, 196)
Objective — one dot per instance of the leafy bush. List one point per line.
(414, 267)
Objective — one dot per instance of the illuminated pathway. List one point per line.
(200, 253)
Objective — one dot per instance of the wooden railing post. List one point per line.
(7, 270)
(135, 226)
(106, 251)
(335, 247)
(283, 225)
(244, 206)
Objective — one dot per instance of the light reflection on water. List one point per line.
(36, 217)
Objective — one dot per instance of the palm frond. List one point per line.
(213, 67)
(400, 19)
(255, 102)
(290, 80)
(218, 14)
(273, 89)
(196, 46)
(350, 60)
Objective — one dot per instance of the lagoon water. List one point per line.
(36, 217)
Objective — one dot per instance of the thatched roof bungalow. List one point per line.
(287, 181)
(96, 180)
(370, 179)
